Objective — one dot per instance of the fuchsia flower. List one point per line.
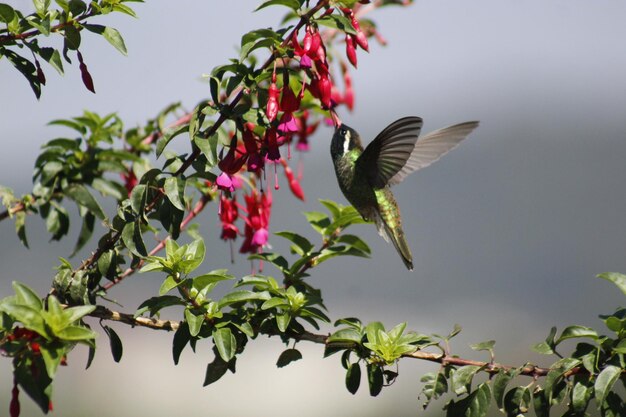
(289, 104)
(258, 207)
(271, 144)
(271, 109)
(130, 180)
(228, 215)
(250, 142)
(230, 165)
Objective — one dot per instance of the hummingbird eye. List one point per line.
(343, 132)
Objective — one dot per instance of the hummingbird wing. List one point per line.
(431, 147)
(389, 152)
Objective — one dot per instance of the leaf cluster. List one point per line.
(20, 30)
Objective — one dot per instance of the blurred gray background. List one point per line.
(507, 231)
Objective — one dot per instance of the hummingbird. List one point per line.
(365, 176)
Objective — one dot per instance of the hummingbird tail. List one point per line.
(398, 240)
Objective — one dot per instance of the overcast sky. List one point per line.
(507, 231)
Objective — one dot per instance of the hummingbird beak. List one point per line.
(335, 117)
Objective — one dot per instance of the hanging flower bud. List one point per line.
(351, 50)
(294, 185)
(272, 99)
(360, 38)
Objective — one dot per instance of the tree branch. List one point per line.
(488, 367)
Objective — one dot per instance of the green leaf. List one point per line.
(81, 195)
(20, 227)
(76, 333)
(374, 379)
(175, 191)
(318, 220)
(225, 342)
(288, 356)
(115, 38)
(275, 302)
(283, 320)
(581, 393)
(242, 296)
(604, 383)
(111, 35)
(27, 68)
(156, 304)
(435, 385)
(194, 322)
(29, 317)
(73, 314)
(557, 371)
(194, 256)
(72, 37)
(517, 401)
(500, 383)
(336, 21)
(462, 378)
(353, 378)
(215, 370)
(52, 57)
(138, 198)
(292, 4)
(577, 332)
(131, 236)
(205, 280)
(181, 338)
(474, 405)
(167, 136)
(487, 345)
(168, 284)
(543, 348)
(302, 246)
(275, 259)
(85, 233)
(7, 14)
(348, 335)
(616, 278)
(116, 343)
(52, 358)
(26, 296)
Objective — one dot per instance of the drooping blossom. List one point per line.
(130, 180)
(289, 104)
(270, 141)
(258, 209)
(251, 145)
(228, 215)
(230, 165)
